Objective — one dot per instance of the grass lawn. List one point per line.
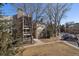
(51, 49)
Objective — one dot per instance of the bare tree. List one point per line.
(56, 12)
(35, 9)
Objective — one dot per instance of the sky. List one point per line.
(72, 14)
(8, 10)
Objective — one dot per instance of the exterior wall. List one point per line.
(74, 28)
(19, 28)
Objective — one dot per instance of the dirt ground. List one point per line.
(50, 39)
(51, 49)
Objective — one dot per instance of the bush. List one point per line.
(6, 47)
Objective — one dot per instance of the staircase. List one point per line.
(27, 29)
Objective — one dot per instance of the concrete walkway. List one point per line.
(37, 41)
(70, 44)
(37, 44)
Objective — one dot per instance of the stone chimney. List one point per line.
(20, 12)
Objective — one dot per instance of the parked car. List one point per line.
(69, 37)
(64, 36)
